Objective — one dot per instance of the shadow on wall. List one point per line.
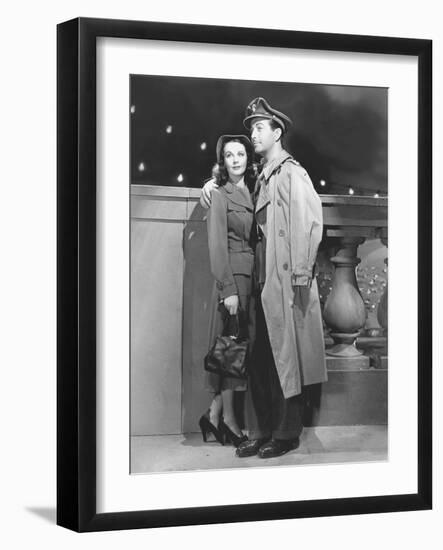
(198, 299)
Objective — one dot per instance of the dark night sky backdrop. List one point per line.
(339, 133)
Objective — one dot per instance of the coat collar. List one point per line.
(270, 167)
(237, 195)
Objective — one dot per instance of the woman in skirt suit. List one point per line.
(230, 223)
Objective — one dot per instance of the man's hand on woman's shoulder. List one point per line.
(205, 197)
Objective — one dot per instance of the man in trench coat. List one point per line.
(289, 347)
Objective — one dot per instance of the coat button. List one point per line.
(281, 233)
(285, 266)
(279, 202)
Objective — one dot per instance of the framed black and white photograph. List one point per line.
(233, 205)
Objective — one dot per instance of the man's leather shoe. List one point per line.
(277, 447)
(249, 447)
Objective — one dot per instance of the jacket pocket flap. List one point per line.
(236, 207)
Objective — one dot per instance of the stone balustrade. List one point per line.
(348, 222)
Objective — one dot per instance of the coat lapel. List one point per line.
(262, 181)
(238, 196)
(263, 195)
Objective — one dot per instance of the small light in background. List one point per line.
(351, 191)
(132, 109)
(377, 194)
(180, 178)
(141, 167)
(203, 146)
(169, 129)
(322, 183)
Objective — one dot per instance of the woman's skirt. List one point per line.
(214, 382)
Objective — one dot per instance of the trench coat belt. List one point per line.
(239, 246)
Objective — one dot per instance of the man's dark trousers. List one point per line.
(268, 413)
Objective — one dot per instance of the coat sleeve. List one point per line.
(306, 225)
(218, 246)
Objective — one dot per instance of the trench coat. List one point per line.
(289, 213)
(230, 221)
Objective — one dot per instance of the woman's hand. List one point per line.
(231, 304)
(205, 197)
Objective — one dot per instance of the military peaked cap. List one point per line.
(260, 108)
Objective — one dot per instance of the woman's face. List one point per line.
(236, 159)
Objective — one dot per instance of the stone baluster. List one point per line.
(344, 312)
(382, 311)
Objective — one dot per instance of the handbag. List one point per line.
(229, 353)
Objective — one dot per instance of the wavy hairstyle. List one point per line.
(220, 173)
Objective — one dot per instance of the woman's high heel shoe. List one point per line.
(207, 427)
(230, 436)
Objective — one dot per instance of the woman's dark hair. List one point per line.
(220, 174)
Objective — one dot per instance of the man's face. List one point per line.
(263, 137)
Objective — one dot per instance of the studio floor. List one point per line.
(319, 445)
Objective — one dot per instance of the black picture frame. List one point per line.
(76, 273)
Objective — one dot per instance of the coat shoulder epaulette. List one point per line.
(293, 161)
(296, 169)
(290, 159)
(290, 162)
